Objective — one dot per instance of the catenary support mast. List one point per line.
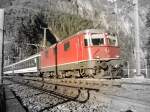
(137, 39)
(1, 42)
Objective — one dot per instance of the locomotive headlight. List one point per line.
(97, 57)
(117, 56)
(116, 65)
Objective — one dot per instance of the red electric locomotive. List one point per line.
(85, 54)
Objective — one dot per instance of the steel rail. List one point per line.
(54, 93)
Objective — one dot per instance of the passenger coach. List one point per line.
(28, 65)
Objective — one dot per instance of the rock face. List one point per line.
(106, 13)
(111, 15)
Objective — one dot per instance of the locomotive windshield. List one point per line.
(95, 39)
(100, 39)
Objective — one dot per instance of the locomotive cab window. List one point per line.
(112, 40)
(66, 46)
(85, 42)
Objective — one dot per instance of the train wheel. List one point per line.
(82, 73)
(41, 74)
(76, 74)
(104, 65)
(90, 73)
(99, 74)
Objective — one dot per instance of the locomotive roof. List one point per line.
(91, 31)
(83, 32)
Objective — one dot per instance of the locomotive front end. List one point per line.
(102, 53)
(102, 46)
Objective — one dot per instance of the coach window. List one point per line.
(26, 64)
(66, 46)
(29, 64)
(21, 66)
(33, 63)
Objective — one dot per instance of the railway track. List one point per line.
(91, 84)
(128, 92)
(36, 100)
(72, 89)
(68, 92)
